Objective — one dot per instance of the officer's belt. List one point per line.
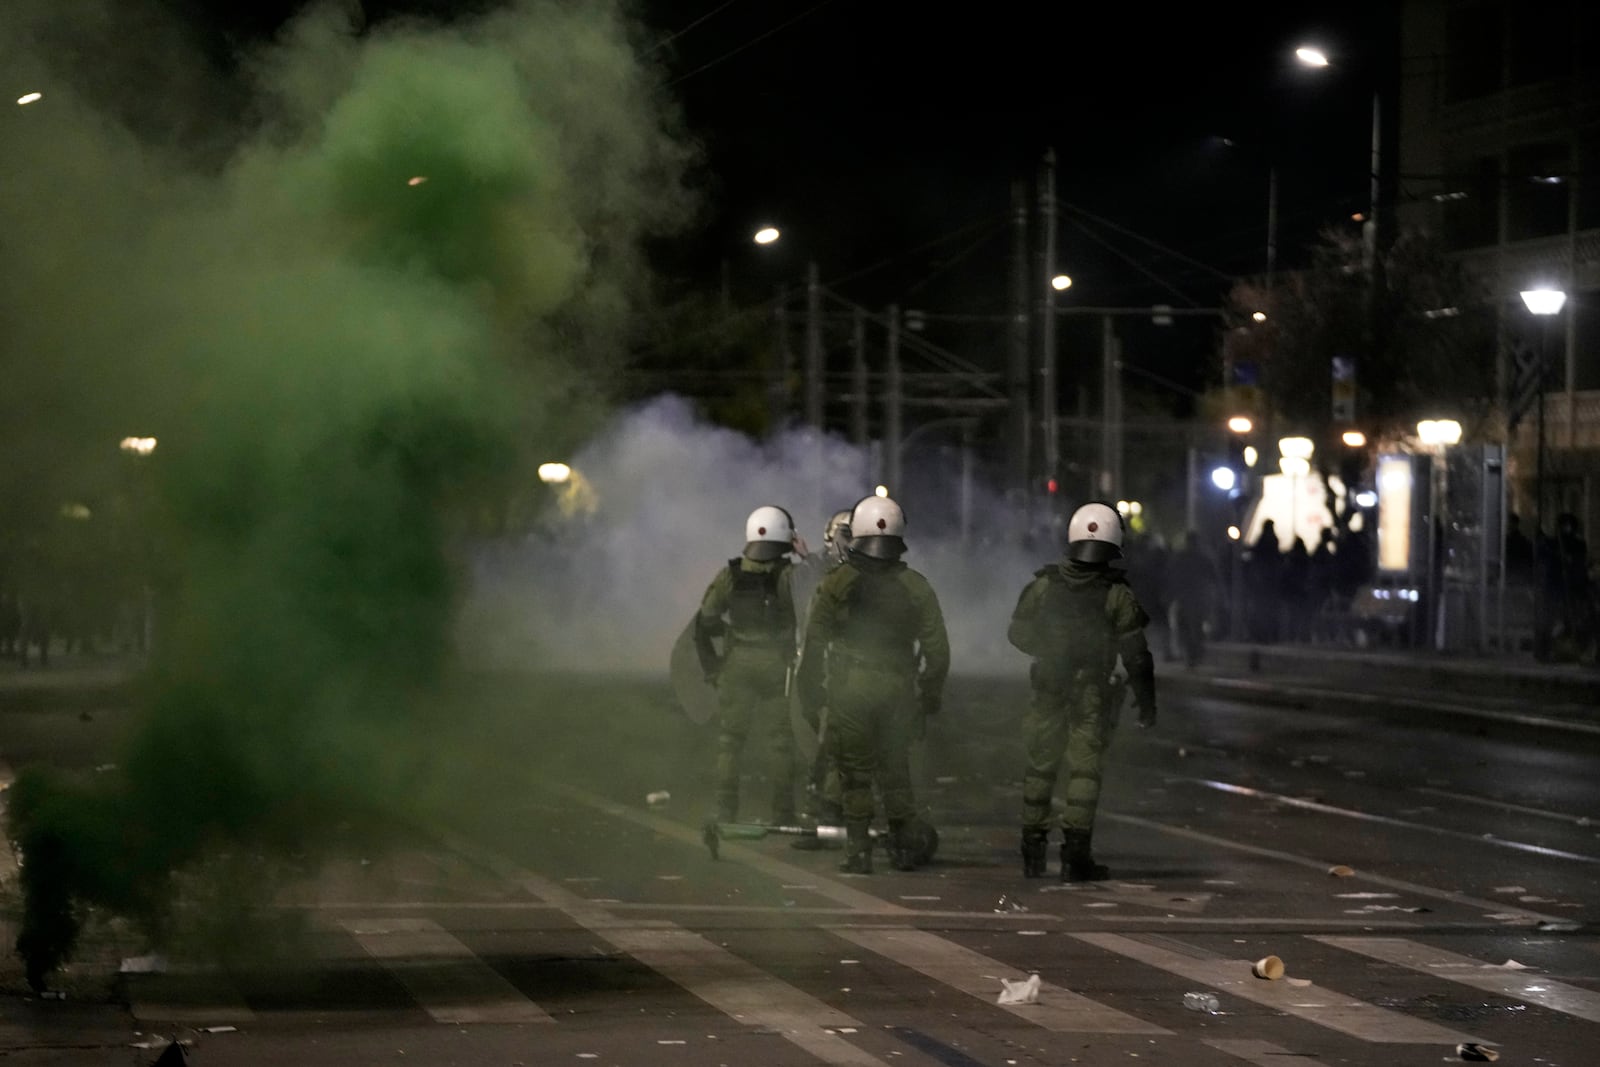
(880, 658)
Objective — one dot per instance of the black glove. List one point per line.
(1147, 714)
(931, 703)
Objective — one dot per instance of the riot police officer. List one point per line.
(1075, 619)
(750, 607)
(876, 655)
(825, 782)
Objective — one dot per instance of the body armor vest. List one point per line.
(755, 611)
(1074, 623)
(880, 619)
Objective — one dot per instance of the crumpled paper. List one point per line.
(1020, 992)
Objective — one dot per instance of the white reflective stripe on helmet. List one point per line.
(1095, 522)
(877, 516)
(769, 524)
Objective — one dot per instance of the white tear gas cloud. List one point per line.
(611, 590)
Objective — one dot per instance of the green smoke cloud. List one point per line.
(351, 292)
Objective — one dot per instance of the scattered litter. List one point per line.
(947, 779)
(1341, 871)
(848, 962)
(1531, 899)
(1268, 967)
(1508, 965)
(219, 1029)
(1366, 896)
(1206, 1002)
(1030, 933)
(1558, 927)
(588, 1055)
(1019, 992)
(155, 963)
(1507, 916)
(904, 897)
(1471, 1050)
(847, 1029)
(1006, 904)
(666, 1041)
(1298, 983)
(1371, 908)
(660, 796)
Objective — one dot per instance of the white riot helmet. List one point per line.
(836, 537)
(878, 528)
(768, 533)
(1094, 535)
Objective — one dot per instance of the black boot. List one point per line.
(1077, 862)
(857, 849)
(902, 854)
(1035, 852)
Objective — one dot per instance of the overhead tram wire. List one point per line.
(1135, 264)
(669, 38)
(1100, 220)
(751, 42)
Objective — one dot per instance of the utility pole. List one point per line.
(1110, 408)
(1045, 295)
(778, 387)
(813, 347)
(1019, 417)
(858, 378)
(892, 397)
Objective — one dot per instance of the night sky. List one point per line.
(883, 136)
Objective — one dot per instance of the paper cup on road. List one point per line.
(1340, 871)
(1268, 967)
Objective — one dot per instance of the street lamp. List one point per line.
(28, 98)
(1354, 439)
(554, 473)
(1439, 432)
(1544, 302)
(1061, 283)
(1310, 56)
(138, 446)
(1240, 424)
(766, 235)
(1314, 57)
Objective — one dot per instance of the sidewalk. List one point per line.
(1514, 687)
(68, 680)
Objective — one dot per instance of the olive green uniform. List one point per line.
(750, 605)
(1074, 619)
(876, 655)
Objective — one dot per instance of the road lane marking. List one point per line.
(1321, 867)
(1464, 970)
(1520, 809)
(444, 977)
(1059, 1009)
(1263, 1053)
(730, 984)
(1385, 820)
(784, 872)
(1316, 1004)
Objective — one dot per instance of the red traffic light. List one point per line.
(1051, 485)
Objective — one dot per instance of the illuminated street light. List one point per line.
(1311, 56)
(1251, 455)
(1366, 499)
(1544, 301)
(1355, 438)
(1258, 316)
(1434, 432)
(1122, 507)
(417, 180)
(1295, 466)
(1240, 424)
(881, 491)
(554, 473)
(1296, 447)
(1061, 283)
(766, 235)
(28, 98)
(1224, 478)
(139, 446)
(1234, 533)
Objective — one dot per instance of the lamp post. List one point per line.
(1544, 303)
(1316, 58)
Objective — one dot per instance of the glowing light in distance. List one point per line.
(1311, 56)
(1439, 431)
(1240, 424)
(766, 235)
(1294, 466)
(1061, 282)
(1224, 478)
(418, 180)
(1366, 499)
(1122, 507)
(1136, 507)
(1355, 438)
(882, 491)
(554, 473)
(1234, 533)
(1258, 316)
(1296, 447)
(1251, 455)
(141, 446)
(28, 98)
(1544, 301)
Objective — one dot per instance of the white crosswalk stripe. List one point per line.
(1437, 963)
(1263, 1053)
(1317, 1004)
(443, 975)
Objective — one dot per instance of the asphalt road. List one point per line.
(552, 915)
